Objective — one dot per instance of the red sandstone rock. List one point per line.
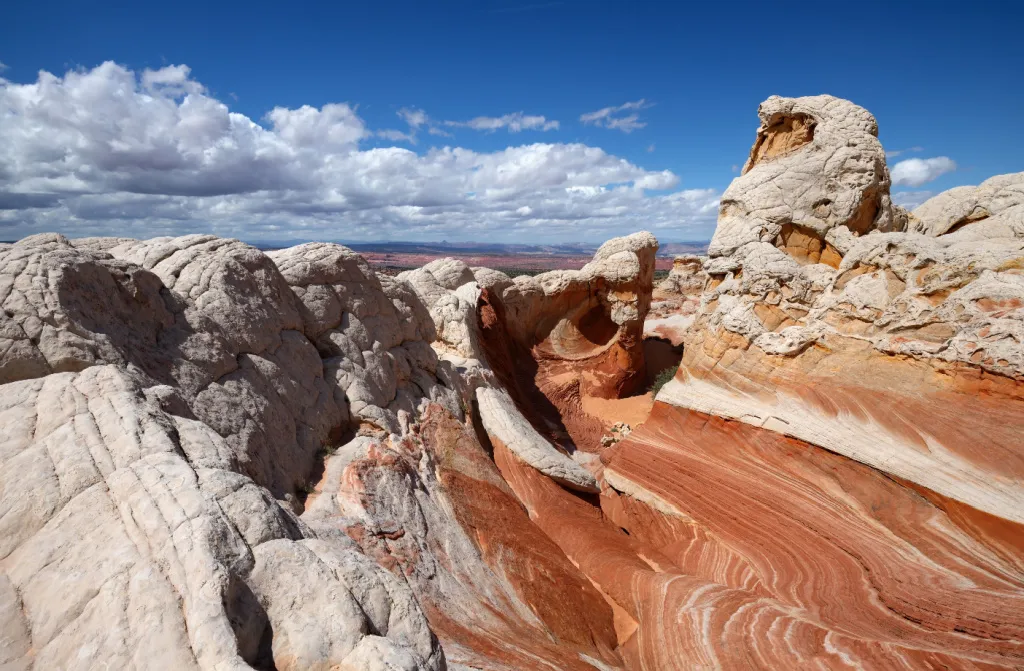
(215, 458)
(774, 535)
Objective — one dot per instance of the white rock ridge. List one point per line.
(155, 417)
(194, 434)
(504, 422)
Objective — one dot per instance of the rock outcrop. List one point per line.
(839, 455)
(816, 180)
(152, 448)
(998, 202)
(870, 358)
(505, 424)
(676, 300)
(217, 458)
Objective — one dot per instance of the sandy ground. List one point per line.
(632, 410)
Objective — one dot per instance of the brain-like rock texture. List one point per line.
(999, 202)
(218, 458)
(816, 179)
(839, 455)
(901, 356)
(213, 457)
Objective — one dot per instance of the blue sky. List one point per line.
(92, 154)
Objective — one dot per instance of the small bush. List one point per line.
(662, 379)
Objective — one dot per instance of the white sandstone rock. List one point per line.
(503, 420)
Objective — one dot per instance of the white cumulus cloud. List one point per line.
(396, 135)
(918, 171)
(110, 151)
(611, 117)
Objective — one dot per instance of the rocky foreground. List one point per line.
(223, 459)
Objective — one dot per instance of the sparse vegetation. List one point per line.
(662, 379)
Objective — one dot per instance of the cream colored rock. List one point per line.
(997, 203)
(816, 178)
(229, 282)
(66, 309)
(373, 332)
(344, 597)
(503, 421)
(685, 279)
(676, 299)
(139, 488)
(129, 541)
(449, 288)
(851, 335)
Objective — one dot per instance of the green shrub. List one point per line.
(662, 379)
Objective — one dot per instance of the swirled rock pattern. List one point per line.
(907, 355)
(775, 553)
(217, 458)
(834, 476)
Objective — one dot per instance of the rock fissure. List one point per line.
(284, 460)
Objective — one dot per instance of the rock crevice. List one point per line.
(213, 457)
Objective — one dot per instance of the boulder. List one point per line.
(815, 180)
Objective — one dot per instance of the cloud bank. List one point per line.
(911, 199)
(110, 151)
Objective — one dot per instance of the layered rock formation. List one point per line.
(867, 358)
(836, 471)
(217, 458)
(676, 300)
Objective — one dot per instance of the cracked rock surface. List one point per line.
(218, 458)
(213, 457)
(933, 315)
